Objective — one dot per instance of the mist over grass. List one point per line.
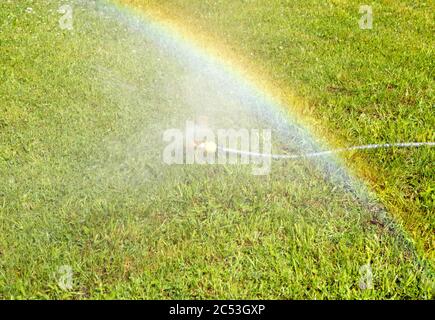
(84, 185)
(357, 86)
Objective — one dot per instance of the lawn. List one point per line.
(83, 184)
(353, 86)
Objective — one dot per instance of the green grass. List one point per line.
(82, 185)
(362, 86)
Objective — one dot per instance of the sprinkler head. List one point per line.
(210, 146)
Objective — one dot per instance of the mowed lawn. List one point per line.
(353, 86)
(83, 187)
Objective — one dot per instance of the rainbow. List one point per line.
(240, 83)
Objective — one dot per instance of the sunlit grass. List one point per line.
(80, 130)
(360, 86)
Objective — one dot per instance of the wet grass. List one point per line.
(354, 86)
(82, 185)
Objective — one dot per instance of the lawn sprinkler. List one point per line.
(207, 146)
